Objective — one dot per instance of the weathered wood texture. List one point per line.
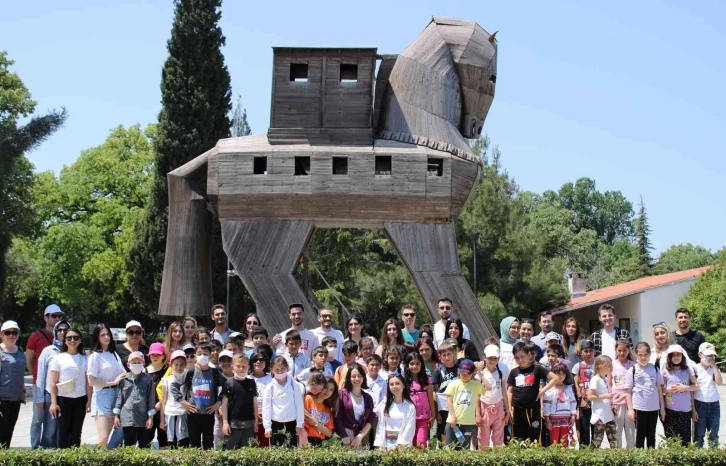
(265, 255)
(429, 252)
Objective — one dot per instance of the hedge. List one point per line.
(336, 456)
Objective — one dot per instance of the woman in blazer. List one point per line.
(355, 417)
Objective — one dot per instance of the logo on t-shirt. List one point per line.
(525, 380)
(463, 398)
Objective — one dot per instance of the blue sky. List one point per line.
(630, 94)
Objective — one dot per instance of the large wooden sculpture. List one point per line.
(341, 153)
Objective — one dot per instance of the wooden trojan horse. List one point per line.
(345, 149)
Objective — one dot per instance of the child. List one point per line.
(365, 349)
(679, 384)
(377, 386)
(225, 367)
(622, 401)
(522, 392)
(261, 374)
(296, 359)
(331, 344)
(425, 347)
(135, 402)
(602, 419)
(463, 405)
(231, 345)
(396, 417)
(494, 407)
(225, 363)
(216, 349)
(282, 406)
(560, 407)
(320, 356)
(392, 361)
(259, 337)
(197, 394)
(645, 382)
(554, 354)
(319, 424)
(190, 351)
(426, 331)
(173, 415)
(708, 412)
(445, 374)
(422, 397)
(157, 369)
(350, 356)
(239, 405)
(583, 372)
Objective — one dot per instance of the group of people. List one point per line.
(215, 388)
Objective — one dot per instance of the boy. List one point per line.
(296, 359)
(225, 363)
(320, 356)
(463, 405)
(706, 402)
(446, 373)
(216, 349)
(583, 372)
(350, 354)
(523, 386)
(157, 369)
(259, 337)
(554, 354)
(199, 398)
(134, 410)
(232, 345)
(377, 385)
(190, 351)
(332, 345)
(239, 406)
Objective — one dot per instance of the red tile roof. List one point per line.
(629, 288)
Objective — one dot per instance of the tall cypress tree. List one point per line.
(642, 237)
(196, 102)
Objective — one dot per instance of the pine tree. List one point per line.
(196, 102)
(642, 237)
(240, 126)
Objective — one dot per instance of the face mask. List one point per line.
(203, 360)
(240, 375)
(281, 376)
(136, 368)
(707, 359)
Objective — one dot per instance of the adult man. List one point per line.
(546, 323)
(408, 317)
(37, 342)
(325, 317)
(308, 339)
(445, 308)
(689, 339)
(604, 339)
(219, 316)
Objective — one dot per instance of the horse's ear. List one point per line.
(493, 37)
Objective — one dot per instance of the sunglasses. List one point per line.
(191, 356)
(55, 316)
(445, 308)
(409, 315)
(10, 333)
(326, 317)
(133, 333)
(73, 338)
(658, 324)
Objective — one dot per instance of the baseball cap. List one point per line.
(133, 323)
(136, 355)
(52, 309)
(188, 347)
(226, 354)
(586, 344)
(234, 334)
(707, 349)
(450, 342)
(8, 325)
(552, 336)
(178, 354)
(466, 365)
(491, 351)
(675, 349)
(156, 348)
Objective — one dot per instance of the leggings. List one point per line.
(645, 424)
(600, 429)
(70, 422)
(9, 411)
(678, 425)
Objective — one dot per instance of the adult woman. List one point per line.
(571, 335)
(189, 325)
(662, 340)
(174, 338)
(391, 335)
(134, 342)
(396, 417)
(251, 321)
(12, 376)
(467, 350)
(104, 373)
(526, 332)
(70, 394)
(354, 330)
(509, 331)
(355, 416)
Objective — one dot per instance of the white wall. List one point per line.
(659, 305)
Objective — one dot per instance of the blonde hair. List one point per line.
(664, 326)
(602, 361)
(240, 357)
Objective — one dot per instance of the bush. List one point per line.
(336, 456)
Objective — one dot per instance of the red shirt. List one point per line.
(37, 342)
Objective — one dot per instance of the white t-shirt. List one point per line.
(105, 367)
(601, 410)
(359, 406)
(172, 407)
(337, 334)
(608, 343)
(71, 366)
(261, 382)
(707, 388)
(440, 330)
(495, 395)
(308, 342)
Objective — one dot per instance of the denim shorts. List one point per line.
(105, 399)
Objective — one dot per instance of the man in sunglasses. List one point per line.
(37, 342)
(445, 308)
(409, 330)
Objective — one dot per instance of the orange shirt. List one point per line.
(320, 412)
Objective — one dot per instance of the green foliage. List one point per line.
(706, 299)
(240, 126)
(196, 102)
(683, 257)
(642, 237)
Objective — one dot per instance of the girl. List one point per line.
(602, 418)
(707, 400)
(426, 331)
(157, 369)
(203, 336)
(282, 407)
(526, 332)
(662, 340)
(392, 361)
(189, 325)
(645, 382)
(355, 416)
(319, 423)
(396, 417)
(391, 336)
(70, 394)
(559, 406)
(105, 371)
(680, 383)
(173, 339)
(365, 349)
(571, 336)
(422, 396)
(173, 415)
(12, 386)
(493, 405)
(622, 400)
(509, 330)
(331, 395)
(355, 331)
(467, 350)
(260, 368)
(251, 321)
(425, 347)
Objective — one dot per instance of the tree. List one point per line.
(15, 140)
(683, 257)
(240, 126)
(642, 238)
(196, 102)
(706, 299)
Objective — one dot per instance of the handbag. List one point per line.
(67, 387)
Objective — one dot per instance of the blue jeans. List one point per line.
(116, 439)
(709, 416)
(36, 424)
(49, 438)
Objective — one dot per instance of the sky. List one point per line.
(630, 94)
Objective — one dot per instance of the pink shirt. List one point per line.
(420, 398)
(619, 373)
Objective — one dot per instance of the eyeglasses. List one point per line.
(133, 333)
(659, 324)
(326, 317)
(10, 333)
(445, 308)
(73, 338)
(408, 314)
(55, 316)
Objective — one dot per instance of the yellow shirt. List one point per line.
(463, 397)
